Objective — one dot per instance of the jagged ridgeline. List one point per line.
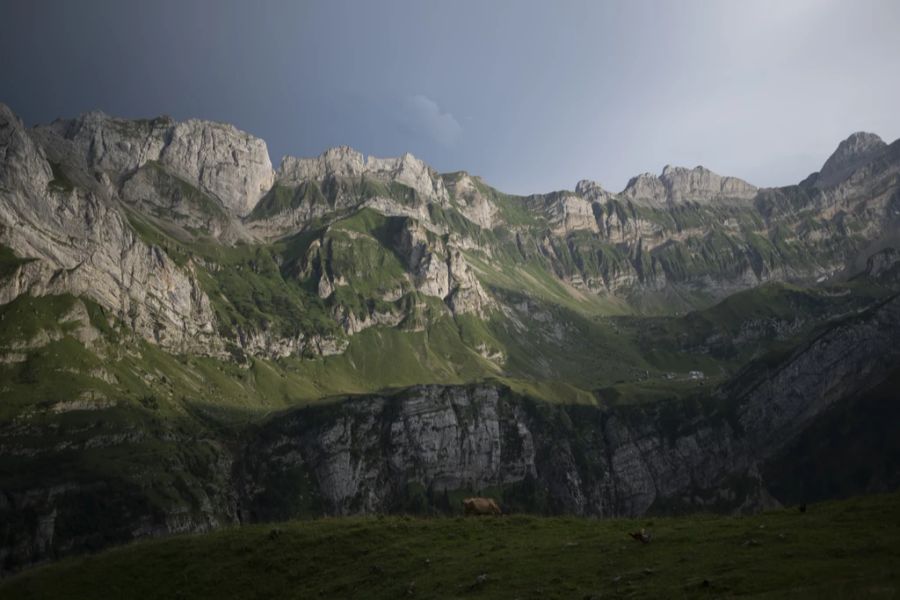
(190, 338)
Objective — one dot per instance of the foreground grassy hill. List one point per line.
(842, 549)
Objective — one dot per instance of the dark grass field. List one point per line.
(843, 549)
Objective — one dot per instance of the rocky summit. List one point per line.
(190, 338)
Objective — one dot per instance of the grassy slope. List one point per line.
(839, 549)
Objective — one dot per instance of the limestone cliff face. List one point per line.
(343, 180)
(702, 185)
(219, 159)
(154, 191)
(677, 185)
(82, 245)
(856, 151)
(367, 455)
(21, 163)
(566, 212)
(346, 162)
(471, 202)
(439, 269)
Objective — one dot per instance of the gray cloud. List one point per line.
(422, 116)
(542, 94)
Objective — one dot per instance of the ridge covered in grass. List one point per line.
(838, 549)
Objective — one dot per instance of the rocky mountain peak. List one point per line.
(340, 161)
(854, 152)
(645, 188)
(405, 163)
(676, 185)
(344, 161)
(591, 190)
(217, 158)
(702, 185)
(669, 170)
(21, 162)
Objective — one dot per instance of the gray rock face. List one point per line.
(365, 456)
(591, 190)
(645, 188)
(219, 159)
(702, 185)
(347, 162)
(856, 151)
(447, 438)
(83, 246)
(154, 191)
(229, 164)
(677, 185)
(21, 163)
(472, 203)
(882, 264)
(341, 161)
(567, 212)
(440, 269)
(351, 182)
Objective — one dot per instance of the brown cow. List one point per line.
(481, 506)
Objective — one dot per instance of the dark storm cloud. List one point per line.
(533, 96)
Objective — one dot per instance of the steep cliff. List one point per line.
(77, 241)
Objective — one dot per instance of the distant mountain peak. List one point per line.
(680, 184)
(857, 150)
(344, 161)
(860, 140)
(591, 190)
(671, 170)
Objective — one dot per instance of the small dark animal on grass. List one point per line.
(481, 506)
(642, 536)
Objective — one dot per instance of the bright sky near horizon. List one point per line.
(533, 96)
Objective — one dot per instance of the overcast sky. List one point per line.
(533, 96)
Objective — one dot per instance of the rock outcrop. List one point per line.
(677, 185)
(346, 162)
(219, 159)
(369, 453)
(79, 243)
(472, 203)
(884, 264)
(856, 151)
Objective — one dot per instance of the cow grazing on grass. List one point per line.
(481, 506)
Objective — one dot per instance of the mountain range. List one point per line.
(191, 338)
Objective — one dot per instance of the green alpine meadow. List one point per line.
(839, 549)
